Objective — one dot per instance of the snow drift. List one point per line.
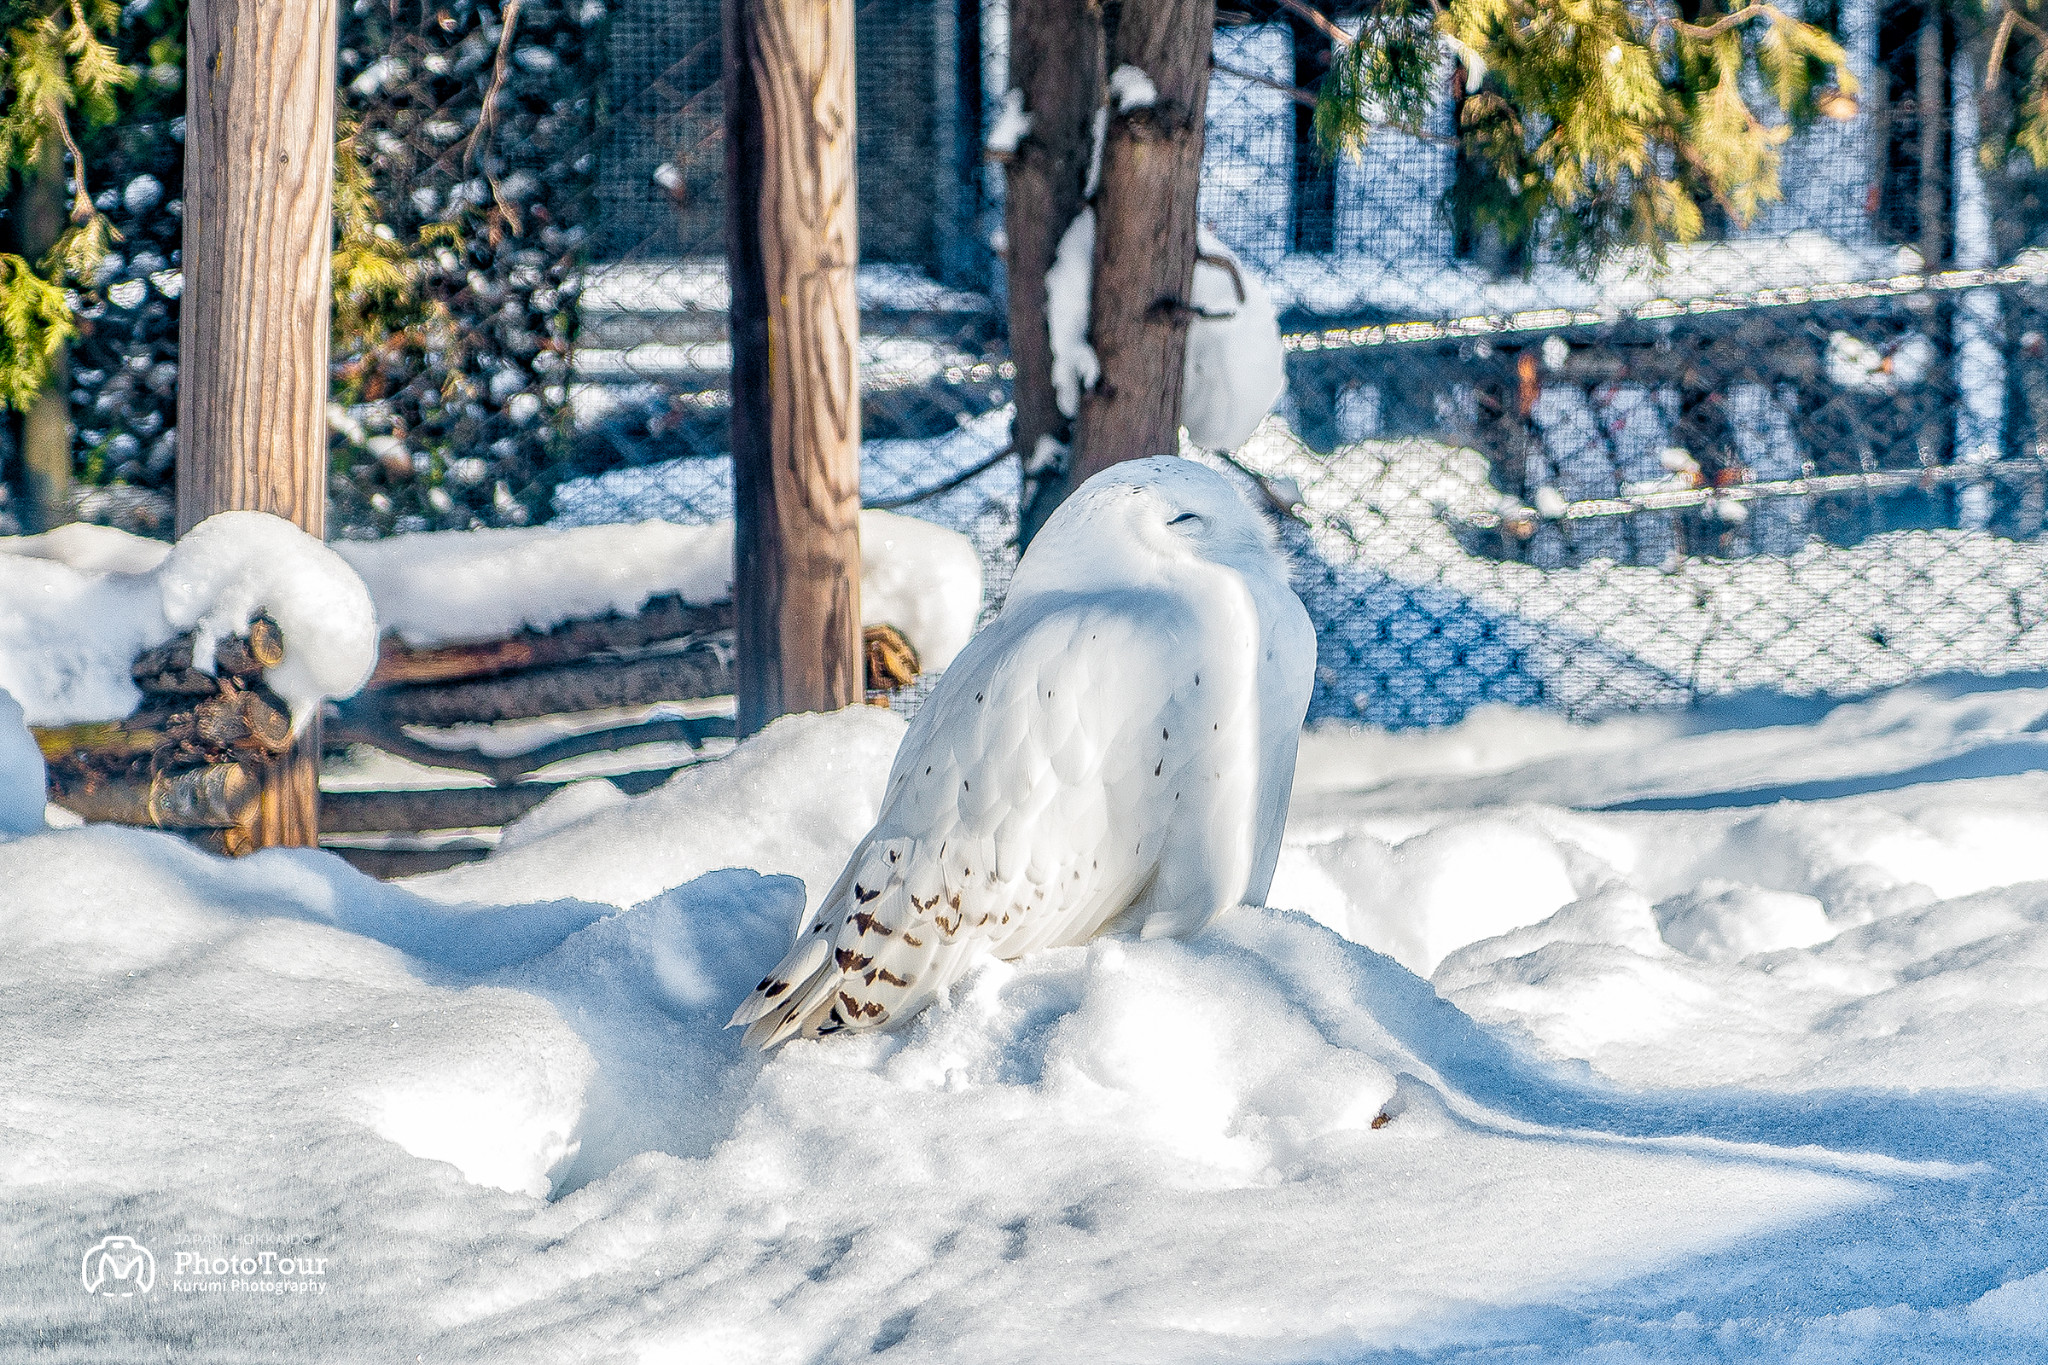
(1767, 1084)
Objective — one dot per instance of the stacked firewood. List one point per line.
(668, 651)
(598, 670)
(190, 756)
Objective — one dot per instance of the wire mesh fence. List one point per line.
(1803, 455)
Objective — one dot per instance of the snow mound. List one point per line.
(923, 579)
(1237, 1147)
(172, 972)
(76, 609)
(1767, 1084)
(1422, 897)
(793, 799)
(575, 801)
(94, 549)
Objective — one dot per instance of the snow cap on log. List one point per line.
(466, 587)
(461, 587)
(236, 566)
(77, 610)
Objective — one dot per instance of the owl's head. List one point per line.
(1138, 519)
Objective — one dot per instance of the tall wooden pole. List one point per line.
(795, 319)
(40, 210)
(253, 328)
(1056, 61)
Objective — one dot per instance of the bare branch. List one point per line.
(1293, 92)
(973, 471)
(1703, 32)
(1322, 21)
(1993, 65)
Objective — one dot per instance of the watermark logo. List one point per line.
(118, 1267)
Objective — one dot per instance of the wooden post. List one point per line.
(795, 325)
(41, 208)
(253, 330)
(1145, 238)
(1056, 61)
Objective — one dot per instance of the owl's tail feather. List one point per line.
(856, 966)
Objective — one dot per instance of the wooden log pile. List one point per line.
(190, 757)
(669, 651)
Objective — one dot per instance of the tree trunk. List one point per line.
(253, 331)
(1145, 246)
(1056, 61)
(795, 323)
(46, 426)
(702, 670)
(1931, 104)
(661, 619)
(1145, 238)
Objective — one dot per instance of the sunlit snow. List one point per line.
(1731, 1047)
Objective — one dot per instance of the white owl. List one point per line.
(1115, 750)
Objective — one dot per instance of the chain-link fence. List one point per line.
(1804, 455)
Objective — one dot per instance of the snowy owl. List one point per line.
(1114, 751)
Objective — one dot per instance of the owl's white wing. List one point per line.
(1087, 757)
(1287, 677)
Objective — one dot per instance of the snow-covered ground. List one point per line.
(1733, 1044)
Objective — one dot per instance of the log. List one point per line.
(1145, 239)
(215, 797)
(102, 740)
(892, 661)
(431, 808)
(244, 656)
(175, 682)
(1056, 60)
(386, 863)
(226, 726)
(236, 841)
(661, 619)
(357, 723)
(242, 720)
(167, 669)
(702, 670)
